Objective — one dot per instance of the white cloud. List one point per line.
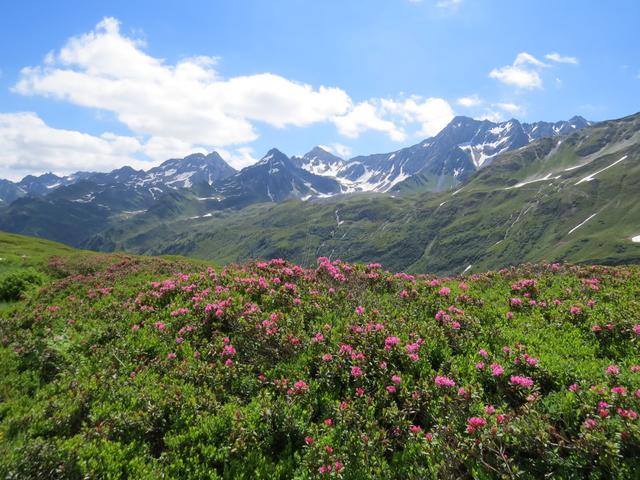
(385, 115)
(509, 107)
(367, 116)
(470, 101)
(433, 114)
(517, 77)
(523, 73)
(343, 151)
(176, 109)
(524, 58)
(238, 158)
(28, 144)
(161, 148)
(556, 57)
(187, 101)
(491, 115)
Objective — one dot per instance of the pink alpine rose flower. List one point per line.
(612, 370)
(443, 381)
(475, 422)
(521, 381)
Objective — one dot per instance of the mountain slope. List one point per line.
(9, 191)
(536, 203)
(61, 220)
(174, 173)
(442, 162)
(274, 178)
(320, 162)
(70, 209)
(189, 171)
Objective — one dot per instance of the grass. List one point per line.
(19, 251)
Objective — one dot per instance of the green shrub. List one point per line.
(14, 285)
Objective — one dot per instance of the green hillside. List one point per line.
(19, 251)
(28, 263)
(528, 205)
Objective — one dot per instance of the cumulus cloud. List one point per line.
(522, 73)
(28, 144)
(556, 57)
(173, 109)
(188, 101)
(161, 148)
(525, 71)
(395, 117)
(491, 115)
(343, 151)
(367, 116)
(238, 158)
(517, 77)
(433, 114)
(509, 107)
(470, 101)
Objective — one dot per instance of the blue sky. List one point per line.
(96, 85)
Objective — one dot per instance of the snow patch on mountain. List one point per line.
(527, 182)
(581, 224)
(449, 158)
(590, 177)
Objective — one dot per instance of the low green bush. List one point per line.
(13, 285)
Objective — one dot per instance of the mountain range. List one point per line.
(461, 148)
(478, 194)
(442, 162)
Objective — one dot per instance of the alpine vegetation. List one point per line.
(132, 367)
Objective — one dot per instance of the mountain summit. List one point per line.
(320, 161)
(441, 162)
(273, 179)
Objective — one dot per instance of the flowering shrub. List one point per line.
(159, 369)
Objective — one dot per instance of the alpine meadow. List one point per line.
(446, 285)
